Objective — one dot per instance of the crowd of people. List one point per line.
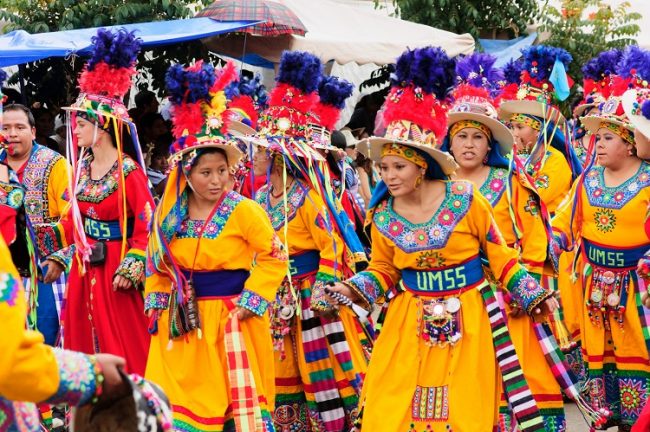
(462, 257)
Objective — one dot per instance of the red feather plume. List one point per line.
(425, 111)
(245, 103)
(291, 97)
(106, 81)
(227, 75)
(327, 115)
(187, 117)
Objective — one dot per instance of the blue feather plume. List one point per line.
(254, 88)
(334, 91)
(428, 68)
(189, 86)
(300, 69)
(512, 71)
(544, 57)
(604, 64)
(478, 70)
(119, 49)
(634, 59)
(3, 77)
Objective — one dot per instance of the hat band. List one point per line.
(619, 130)
(526, 120)
(405, 130)
(530, 92)
(460, 125)
(405, 152)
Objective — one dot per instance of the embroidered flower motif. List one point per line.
(8, 289)
(644, 177)
(396, 228)
(633, 396)
(421, 237)
(618, 196)
(598, 192)
(458, 188)
(605, 220)
(600, 195)
(436, 232)
(446, 217)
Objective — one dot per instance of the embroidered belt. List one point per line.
(106, 230)
(217, 283)
(613, 257)
(304, 263)
(443, 280)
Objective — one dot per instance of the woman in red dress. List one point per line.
(109, 217)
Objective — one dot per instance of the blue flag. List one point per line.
(560, 80)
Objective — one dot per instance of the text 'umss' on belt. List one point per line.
(106, 230)
(443, 280)
(217, 283)
(613, 257)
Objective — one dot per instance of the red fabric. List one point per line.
(643, 422)
(8, 224)
(119, 325)
(246, 186)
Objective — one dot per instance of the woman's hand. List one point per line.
(544, 309)
(122, 283)
(114, 387)
(342, 289)
(243, 313)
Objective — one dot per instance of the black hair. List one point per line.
(145, 97)
(24, 109)
(147, 120)
(209, 150)
(337, 139)
(128, 145)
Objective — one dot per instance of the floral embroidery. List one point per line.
(190, 228)
(532, 206)
(318, 297)
(77, 378)
(9, 288)
(430, 403)
(430, 259)
(278, 251)
(19, 416)
(526, 291)
(605, 220)
(295, 198)
(253, 302)
(132, 268)
(600, 195)
(434, 234)
(367, 286)
(633, 393)
(96, 191)
(495, 185)
(156, 300)
(36, 180)
(12, 195)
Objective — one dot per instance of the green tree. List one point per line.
(53, 80)
(480, 18)
(587, 27)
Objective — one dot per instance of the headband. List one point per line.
(619, 130)
(460, 125)
(527, 120)
(405, 152)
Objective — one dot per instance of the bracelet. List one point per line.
(99, 379)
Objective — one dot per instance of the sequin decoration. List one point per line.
(434, 234)
(96, 191)
(36, 180)
(430, 403)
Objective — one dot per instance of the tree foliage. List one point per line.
(587, 27)
(480, 18)
(53, 80)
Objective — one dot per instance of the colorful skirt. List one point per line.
(194, 372)
(320, 363)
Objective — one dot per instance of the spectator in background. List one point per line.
(59, 134)
(157, 169)
(145, 102)
(151, 127)
(365, 112)
(45, 127)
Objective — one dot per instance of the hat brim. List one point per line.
(233, 154)
(580, 109)
(500, 132)
(239, 129)
(263, 142)
(592, 123)
(638, 121)
(534, 108)
(374, 145)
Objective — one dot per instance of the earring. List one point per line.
(418, 182)
(485, 160)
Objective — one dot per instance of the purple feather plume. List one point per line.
(334, 91)
(637, 59)
(3, 77)
(544, 58)
(401, 75)
(604, 64)
(433, 70)
(478, 70)
(189, 86)
(119, 49)
(254, 88)
(300, 69)
(512, 71)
